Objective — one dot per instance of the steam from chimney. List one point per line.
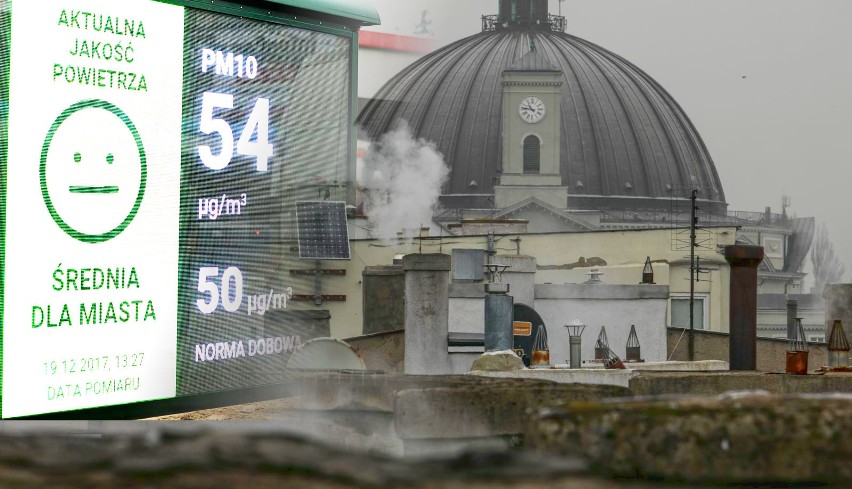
(403, 177)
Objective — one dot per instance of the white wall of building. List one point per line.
(616, 307)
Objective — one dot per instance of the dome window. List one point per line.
(532, 155)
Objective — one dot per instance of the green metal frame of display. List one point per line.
(339, 17)
(356, 10)
(4, 155)
(334, 15)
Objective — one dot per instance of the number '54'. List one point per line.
(258, 122)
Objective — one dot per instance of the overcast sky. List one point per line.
(767, 83)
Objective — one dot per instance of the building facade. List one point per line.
(540, 126)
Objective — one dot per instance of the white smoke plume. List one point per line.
(403, 178)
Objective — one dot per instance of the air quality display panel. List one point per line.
(154, 155)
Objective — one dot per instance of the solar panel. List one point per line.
(323, 234)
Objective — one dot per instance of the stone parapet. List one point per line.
(216, 455)
(730, 438)
(715, 383)
(485, 410)
(598, 375)
(602, 291)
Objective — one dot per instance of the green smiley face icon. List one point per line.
(93, 171)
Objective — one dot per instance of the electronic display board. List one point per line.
(153, 158)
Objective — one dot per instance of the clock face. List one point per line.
(531, 110)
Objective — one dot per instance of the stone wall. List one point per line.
(771, 353)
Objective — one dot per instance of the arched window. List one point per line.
(532, 154)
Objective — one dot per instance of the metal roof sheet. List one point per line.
(804, 229)
(532, 61)
(624, 143)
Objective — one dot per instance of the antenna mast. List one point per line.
(693, 271)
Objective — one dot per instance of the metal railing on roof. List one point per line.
(761, 218)
(554, 23)
(674, 217)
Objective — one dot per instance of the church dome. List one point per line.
(625, 143)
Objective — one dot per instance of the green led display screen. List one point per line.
(153, 158)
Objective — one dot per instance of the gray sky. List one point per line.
(767, 83)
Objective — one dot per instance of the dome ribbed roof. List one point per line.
(623, 136)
